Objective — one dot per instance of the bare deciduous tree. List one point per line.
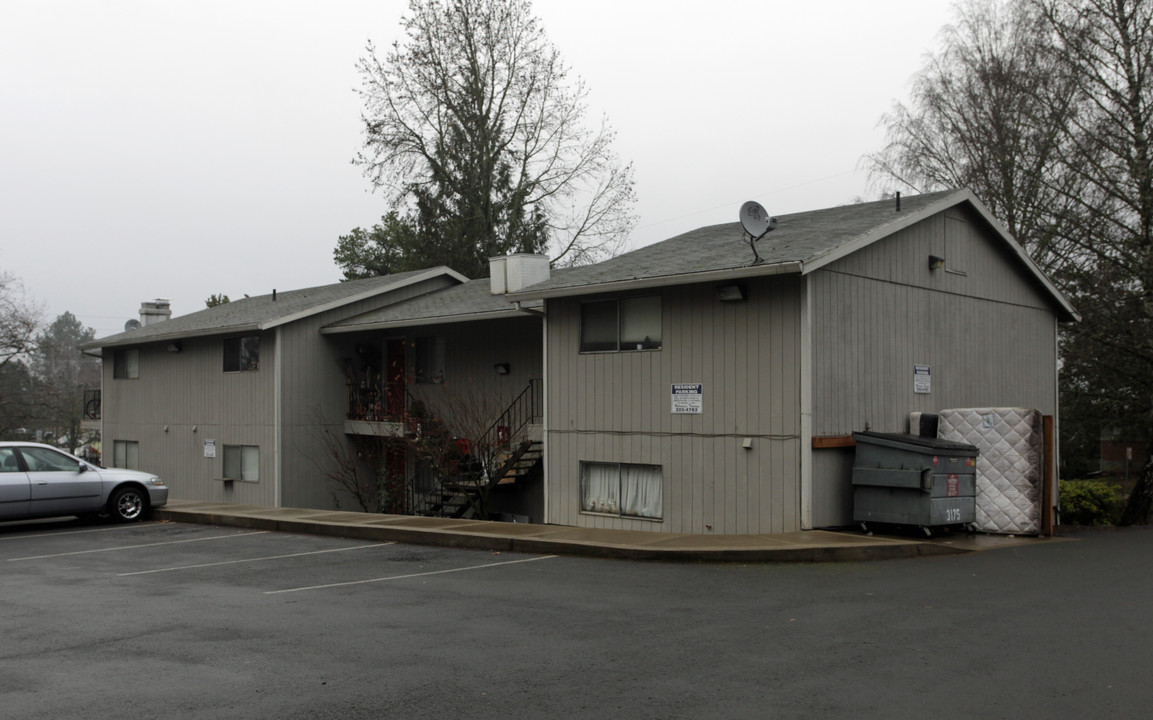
(477, 135)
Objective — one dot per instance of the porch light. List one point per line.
(936, 263)
(730, 293)
(501, 368)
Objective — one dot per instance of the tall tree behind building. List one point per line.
(19, 320)
(479, 140)
(61, 373)
(1044, 108)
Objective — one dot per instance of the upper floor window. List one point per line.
(625, 324)
(242, 353)
(125, 364)
(429, 362)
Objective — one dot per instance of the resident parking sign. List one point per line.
(688, 398)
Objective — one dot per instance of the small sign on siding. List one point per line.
(922, 379)
(688, 398)
(209, 448)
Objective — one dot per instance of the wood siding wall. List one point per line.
(473, 395)
(989, 337)
(616, 407)
(189, 393)
(314, 398)
(182, 399)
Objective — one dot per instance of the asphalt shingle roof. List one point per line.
(262, 311)
(472, 300)
(799, 238)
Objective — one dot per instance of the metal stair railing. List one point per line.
(525, 408)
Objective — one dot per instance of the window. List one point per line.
(626, 324)
(429, 366)
(125, 364)
(242, 462)
(45, 460)
(8, 461)
(126, 454)
(242, 354)
(621, 489)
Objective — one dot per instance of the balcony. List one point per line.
(375, 411)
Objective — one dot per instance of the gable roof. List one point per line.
(469, 301)
(263, 312)
(803, 242)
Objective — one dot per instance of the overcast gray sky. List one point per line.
(178, 149)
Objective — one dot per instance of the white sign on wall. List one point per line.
(688, 398)
(209, 448)
(922, 379)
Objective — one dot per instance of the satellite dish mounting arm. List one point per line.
(757, 223)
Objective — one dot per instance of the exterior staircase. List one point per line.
(464, 495)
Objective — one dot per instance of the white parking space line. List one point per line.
(142, 545)
(252, 560)
(56, 533)
(411, 575)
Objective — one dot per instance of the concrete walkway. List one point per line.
(806, 546)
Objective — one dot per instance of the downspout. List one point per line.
(278, 421)
(806, 382)
(527, 311)
(544, 410)
(1056, 499)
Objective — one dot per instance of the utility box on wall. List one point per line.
(910, 480)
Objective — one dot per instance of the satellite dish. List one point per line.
(757, 223)
(755, 219)
(132, 324)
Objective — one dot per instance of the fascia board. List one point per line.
(332, 305)
(418, 322)
(862, 241)
(951, 200)
(1019, 251)
(726, 275)
(182, 335)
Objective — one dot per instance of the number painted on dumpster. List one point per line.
(953, 514)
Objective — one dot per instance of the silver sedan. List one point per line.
(40, 481)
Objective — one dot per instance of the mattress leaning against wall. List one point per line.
(1009, 467)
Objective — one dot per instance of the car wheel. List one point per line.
(128, 504)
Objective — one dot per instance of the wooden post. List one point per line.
(1048, 478)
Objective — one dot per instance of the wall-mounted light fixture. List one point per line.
(501, 368)
(175, 346)
(730, 293)
(936, 263)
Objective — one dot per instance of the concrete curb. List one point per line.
(817, 547)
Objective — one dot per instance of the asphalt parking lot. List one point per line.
(197, 621)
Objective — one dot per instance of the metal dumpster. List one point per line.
(911, 480)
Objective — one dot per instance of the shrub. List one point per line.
(1090, 502)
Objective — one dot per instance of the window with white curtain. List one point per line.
(242, 462)
(621, 489)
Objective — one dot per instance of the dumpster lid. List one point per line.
(915, 443)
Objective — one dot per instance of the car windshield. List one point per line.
(45, 460)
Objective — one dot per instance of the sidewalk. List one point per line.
(805, 546)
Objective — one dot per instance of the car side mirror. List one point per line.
(83, 467)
